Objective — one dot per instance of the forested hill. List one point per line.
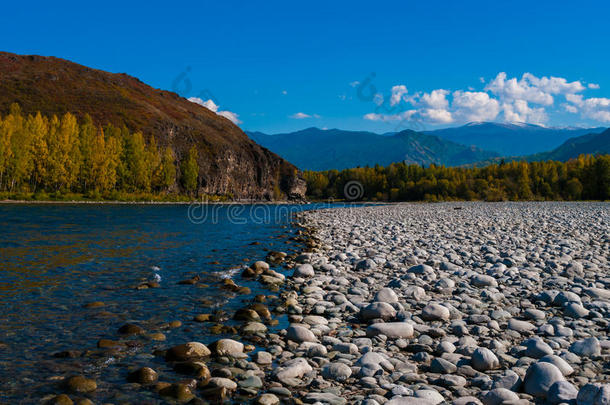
(229, 163)
(593, 144)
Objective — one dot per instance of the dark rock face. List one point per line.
(230, 163)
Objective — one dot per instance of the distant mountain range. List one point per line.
(511, 139)
(586, 144)
(317, 149)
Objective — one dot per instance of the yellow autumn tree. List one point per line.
(39, 128)
(64, 153)
(20, 163)
(6, 153)
(165, 176)
(87, 138)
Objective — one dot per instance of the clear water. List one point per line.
(55, 258)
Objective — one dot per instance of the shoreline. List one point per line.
(119, 202)
(396, 304)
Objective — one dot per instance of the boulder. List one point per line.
(484, 359)
(540, 377)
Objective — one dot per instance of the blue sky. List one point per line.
(282, 66)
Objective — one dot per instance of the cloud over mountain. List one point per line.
(212, 106)
(528, 99)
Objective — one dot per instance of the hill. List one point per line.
(317, 149)
(590, 144)
(511, 139)
(229, 162)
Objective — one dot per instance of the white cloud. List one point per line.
(569, 108)
(475, 106)
(527, 99)
(212, 106)
(437, 99)
(553, 85)
(437, 115)
(397, 94)
(574, 98)
(284, 92)
(209, 104)
(300, 116)
(354, 83)
(595, 108)
(520, 111)
(231, 116)
(512, 89)
(405, 115)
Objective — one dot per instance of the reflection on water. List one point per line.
(56, 258)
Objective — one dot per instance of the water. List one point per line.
(55, 258)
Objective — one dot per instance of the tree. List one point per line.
(165, 176)
(135, 158)
(6, 153)
(20, 163)
(190, 171)
(153, 161)
(98, 174)
(89, 152)
(39, 128)
(573, 189)
(114, 150)
(64, 153)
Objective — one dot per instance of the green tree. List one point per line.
(190, 171)
(136, 162)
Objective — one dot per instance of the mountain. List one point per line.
(229, 161)
(317, 149)
(511, 139)
(590, 144)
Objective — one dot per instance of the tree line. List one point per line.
(583, 178)
(40, 154)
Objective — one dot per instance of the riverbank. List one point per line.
(462, 303)
(399, 304)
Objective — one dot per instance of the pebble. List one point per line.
(392, 330)
(267, 399)
(300, 334)
(144, 375)
(187, 351)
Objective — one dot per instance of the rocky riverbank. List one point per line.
(411, 304)
(458, 303)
